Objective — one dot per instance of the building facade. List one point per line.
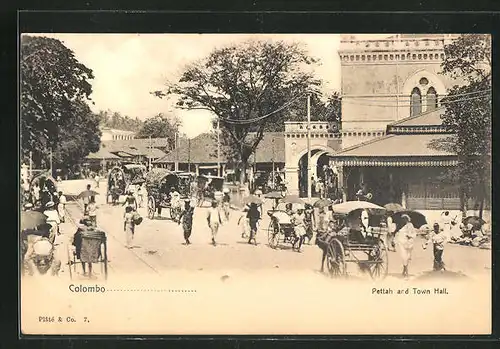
(386, 80)
(111, 134)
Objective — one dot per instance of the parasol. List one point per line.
(87, 193)
(394, 207)
(349, 206)
(293, 199)
(252, 199)
(274, 195)
(323, 203)
(32, 219)
(417, 218)
(476, 222)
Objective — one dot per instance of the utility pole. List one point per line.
(50, 162)
(308, 180)
(150, 153)
(273, 167)
(218, 147)
(189, 155)
(31, 166)
(176, 151)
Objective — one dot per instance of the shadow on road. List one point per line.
(445, 274)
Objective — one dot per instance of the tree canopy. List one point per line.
(117, 121)
(55, 89)
(248, 86)
(160, 126)
(468, 113)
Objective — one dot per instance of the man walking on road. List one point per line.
(186, 217)
(214, 220)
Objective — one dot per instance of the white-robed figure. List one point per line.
(405, 240)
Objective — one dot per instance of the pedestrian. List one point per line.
(130, 200)
(62, 207)
(140, 195)
(97, 179)
(253, 216)
(322, 226)
(53, 220)
(391, 229)
(446, 224)
(92, 211)
(186, 217)
(243, 222)
(214, 221)
(129, 226)
(226, 203)
(438, 239)
(175, 203)
(299, 228)
(309, 222)
(35, 194)
(320, 188)
(313, 186)
(86, 200)
(405, 239)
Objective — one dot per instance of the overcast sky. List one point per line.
(127, 67)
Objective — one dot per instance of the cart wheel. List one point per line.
(335, 259)
(380, 261)
(273, 234)
(151, 207)
(69, 263)
(105, 261)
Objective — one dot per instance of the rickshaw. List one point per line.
(281, 229)
(96, 242)
(209, 188)
(159, 183)
(344, 242)
(121, 177)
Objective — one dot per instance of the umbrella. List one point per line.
(252, 199)
(476, 222)
(349, 206)
(274, 195)
(293, 199)
(417, 218)
(323, 203)
(32, 219)
(87, 193)
(394, 207)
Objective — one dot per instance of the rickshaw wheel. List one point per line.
(69, 263)
(105, 259)
(151, 207)
(335, 259)
(380, 261)
(273, 234)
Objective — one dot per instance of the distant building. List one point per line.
(111, 134)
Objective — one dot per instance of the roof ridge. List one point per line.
(370, 141)
(415, 116)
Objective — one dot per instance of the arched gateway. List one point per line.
(325, 139)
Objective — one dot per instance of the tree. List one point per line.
(468, 115)
(78, 138)
(54, 90)
(160, 126)
(248, 87)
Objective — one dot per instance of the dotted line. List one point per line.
(149, 290)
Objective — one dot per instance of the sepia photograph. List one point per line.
(255, 184)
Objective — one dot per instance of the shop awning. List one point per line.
(398, 150)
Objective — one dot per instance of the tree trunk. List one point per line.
(243, 172)
(463, 202)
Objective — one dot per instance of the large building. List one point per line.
(391, 122)
(111, 134)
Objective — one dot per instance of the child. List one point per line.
(253, 216)
(186, 217)
(214, 220)
(128, 225)
(92, 211)
(438, 238)
(243, 222)
(226, 199)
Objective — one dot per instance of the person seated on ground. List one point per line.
(41, 258)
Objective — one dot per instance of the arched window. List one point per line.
(431, 99)
(415, 102)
